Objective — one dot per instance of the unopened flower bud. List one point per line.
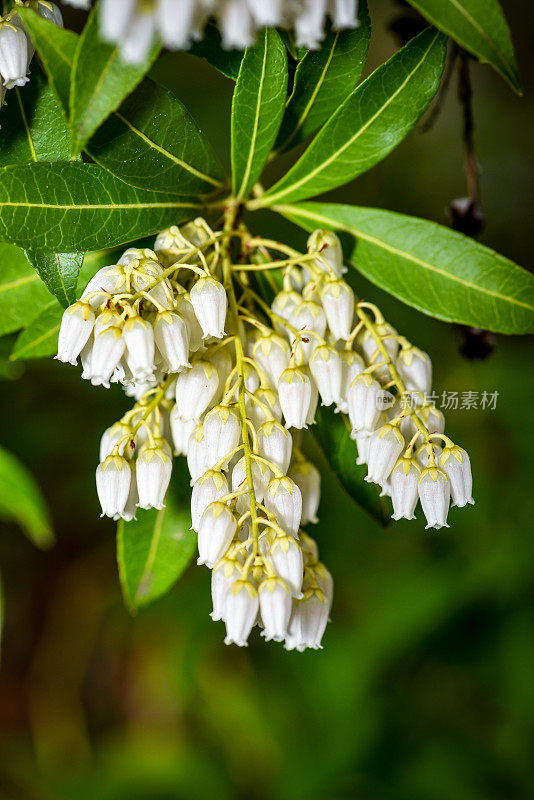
(76, 327)
(328, 246)
(139, 339)
(365, 401)
(275, 608)
(415, 369)
(210, 303)
(211, 486)
(241, 610)
(107, 352)
(434, 493)
(284, 499)
(222, 430)
(456, 464)
(216, 530)
(338, 302)
(294, 391)
(51, 12)
(326, 368)
(113, 478)
(288, 563)
(404, 493)
(272, 354)
(308, 316)
(385, 447)
(108, 280)
(13, 52)
(275, 444)
(154, 468)
(171, 333)
(196, 389)
(308, 479)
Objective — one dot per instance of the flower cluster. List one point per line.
(16, 48)
(132, 24)
(229, 381)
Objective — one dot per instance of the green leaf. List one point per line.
(154, 550)
(100, 81)
(22, 502)
(73, 206)
(480, 27)
(210, 48)
(257, 109)
(56, 47)
(332, 434)
(59, 271)
(323, 80)
(22, 294)
(432, 268)
(153, 143)
(369, 124)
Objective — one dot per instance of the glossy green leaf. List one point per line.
(323, 80)
(480, 27)
(21, 500)
(152, 142)
(154, 550)
(257, 109)
(100, 81)
(68, 207)
(56, 48)
(22, 294)
(332, 433)
(59, 272)
(369, 124)
(432, 268)
(210, 48)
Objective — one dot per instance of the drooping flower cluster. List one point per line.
(229, 381)
(16, 48)
(132, 24)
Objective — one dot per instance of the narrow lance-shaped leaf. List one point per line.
(332, 434)
(257, 109)
(479, 26)
(323, 80)
(21, 500)
(100, 81)
(369, 124)
(432, 268)
(152, 142)
(22, 293)
(80, 207)
(155, 549)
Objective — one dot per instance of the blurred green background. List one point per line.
(425, 687)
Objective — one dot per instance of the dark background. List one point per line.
(424, 689)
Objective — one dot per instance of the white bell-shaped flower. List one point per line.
(415, 368)
(261, 475)
(308, 479)
(275, 444)
(184, 307)
(365, 401)
(216, 530)
(272, 354)
(225, 572)
(51, 12)
(207, 489)
(110, 437)
(266, 13)
(456, 464)
(427, 454)
(113, 478)
(283, 305)
(386, 445)
(241, 610)
(154, 468)
(275, 608)
(324, 242)
(115, 19)
(76, 327)
(210, 304)
(108, 280)
(308, 316)
(294, 392)
(107, 352)
(344, 14)
(326, 368)
(338, 302)
(222, 431)
(138, 254)
(171, 333)
(435, 493)
(251, 381)
(352, 365)
(14, 56)
(175, 22)
(132, 503)
(196, 389)
(363, 441)
(139, 339)
(288, 562)
(263, 407)
(432, 418)
(197, 455)
(371, 352)
(314, 399)
(284, 499)
(404, 491)
(181, 430)
(236, 25)
(308, 622)
(146, 275)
